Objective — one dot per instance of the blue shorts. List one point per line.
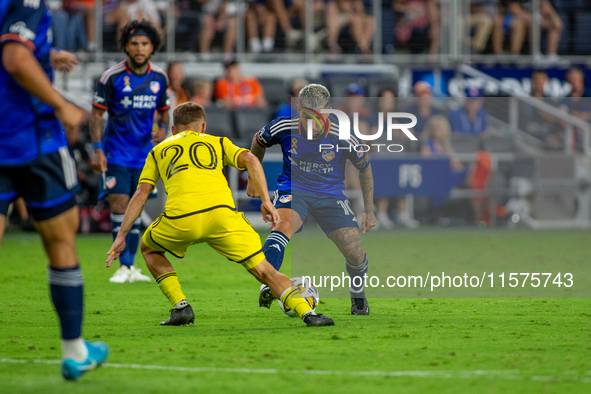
(48, 184)
(120, 180)
(329, 212)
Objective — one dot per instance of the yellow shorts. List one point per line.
(225, 230)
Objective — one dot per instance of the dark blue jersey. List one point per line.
(29, 127)
(131, 100)
(312, 166)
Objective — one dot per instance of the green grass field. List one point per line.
(413, 345)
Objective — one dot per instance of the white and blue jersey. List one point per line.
(29, 127)
(316, 167)
(131, 101)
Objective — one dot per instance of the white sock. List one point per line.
(255, 45)
(181, 304)
(74, 349)
(268, 44)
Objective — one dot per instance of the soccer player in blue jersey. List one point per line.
(35, 164)
(312, 183)
(131, 91)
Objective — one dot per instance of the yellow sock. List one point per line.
(292, 297)
(170, 287)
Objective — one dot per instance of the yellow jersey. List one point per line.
(190, 165)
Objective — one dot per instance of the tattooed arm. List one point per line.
(368, 220)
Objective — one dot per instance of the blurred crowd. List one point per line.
(493, 26)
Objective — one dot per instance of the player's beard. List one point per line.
(137, 65)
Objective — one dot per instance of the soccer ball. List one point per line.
(309, 292)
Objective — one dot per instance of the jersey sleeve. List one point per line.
(231, 153)
(102, 94)
(21, 22)
(359, 159)
(150, 174)
(272, 133)
(164, 102)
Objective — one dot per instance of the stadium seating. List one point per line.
(219, 122)
(498, 144)
(274, 90)
(248, 121)
(465, 143)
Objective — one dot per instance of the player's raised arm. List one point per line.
(257, 177)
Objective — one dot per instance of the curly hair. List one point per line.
(145, 25)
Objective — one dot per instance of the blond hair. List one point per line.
(428, 133)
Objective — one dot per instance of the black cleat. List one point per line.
(180, 317)
(359, 305)
(318, 320)
(266, 298)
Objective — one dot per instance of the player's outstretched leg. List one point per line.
(348, 240)
(181, 313)
(274, 250)
(66, 288)
(282, 289)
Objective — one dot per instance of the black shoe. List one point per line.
(180, 317)
(318, 320)
(359, 305)
(266, 298)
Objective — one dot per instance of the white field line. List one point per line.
(507, 374)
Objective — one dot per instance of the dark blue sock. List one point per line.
(133, 240)
(66, 288)
(357, 273)
(116, 220)
(274, 248)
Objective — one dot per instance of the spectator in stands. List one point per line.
(471, 119)
(235, 90)
(287, 109)
(417, 25)
(435, 142)
(202, 91)
(351, 12)
(257, 15)
(136, 10)
(355, 104)
(176, 89)
(188, 14)
(68, 27)
(538, 122)
(576, 78)
(386, 102)
(87, 9)
(539, 79)
(218, 15)
(578, 104)
(517, 16)
(278, 8)
(422, 107)
(481, 20)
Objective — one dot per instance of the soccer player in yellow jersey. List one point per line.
(200, 208)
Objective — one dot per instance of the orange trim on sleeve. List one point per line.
(17, 38)
(99, 106)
